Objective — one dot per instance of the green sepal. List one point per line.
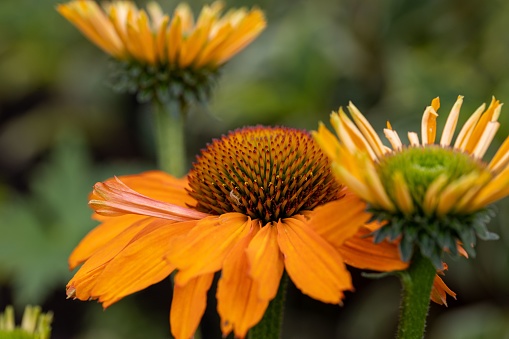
(434, 235)
(165, 83)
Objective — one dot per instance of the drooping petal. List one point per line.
(312, 263)
(141, 264)
(84, 280)
(88, 17)
(245, 32)
(100, 236)
(188, 305)
(439, 291)
(212, 238)
(266, 261)
(238, 301)
(339, 220)
(361, 252)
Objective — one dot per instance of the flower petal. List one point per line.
(141, 264)
(100, 236)
(450, 125)
(188, 305)
(113, 198)
(159, 185)
(238, 303)
(339, 220)
(314, 265)
(266, 261)
(84, 280)
(361, 252)
(204, 248)
(429, 126)
(439, 291)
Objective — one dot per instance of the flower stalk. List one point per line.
(417, 282)
(170, 122)
(270, 327)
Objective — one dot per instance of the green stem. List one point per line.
(417, 282)
(170, 119)
(271, 324)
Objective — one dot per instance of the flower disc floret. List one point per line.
(264, 172)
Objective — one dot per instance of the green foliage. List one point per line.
(40, 230)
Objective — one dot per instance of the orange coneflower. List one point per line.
(128, 33)
(163, 56)
(432, 194)
(258, 202)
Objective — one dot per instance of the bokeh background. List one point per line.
(62, 129)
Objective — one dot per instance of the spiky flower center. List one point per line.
(267, 173)
(421, 166)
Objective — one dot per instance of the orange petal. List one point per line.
(266, 261)
(141, 264)
(361, 252)
(238, 303)
(429, 126)
(312, 263)
(100, 236)
(187, 306)
(340, 219)
(204, 248)
(439, 291)
(84, 280)
(114, 198)
(159, 185)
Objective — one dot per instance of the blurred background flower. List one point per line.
(62, 129)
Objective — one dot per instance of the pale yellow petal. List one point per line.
(485, 139)
(501, 158)
(367, 130)
(468, 128)
(413, 138)
(393, 138)
(450, 125)
(429, 126)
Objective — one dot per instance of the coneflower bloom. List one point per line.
(432, 194)
(257, 202)
(160, 51)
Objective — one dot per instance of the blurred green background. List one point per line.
(62, 129)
